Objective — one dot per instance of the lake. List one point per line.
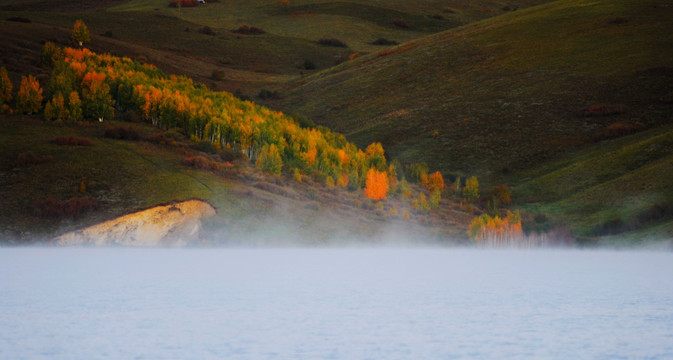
(366, 303)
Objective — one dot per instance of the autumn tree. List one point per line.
(74, 107)
(421, 203)
(471, 189)
(5, 89)
(56, 108)
(502, 194)
(96, 96)
(269, 160)
(50, 54)
(375, 156)
(435, 182)
(29, 97)
(376, 187)
(496, 231)
(435, 198)
(80, 32)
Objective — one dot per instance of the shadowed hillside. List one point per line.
(505, 93)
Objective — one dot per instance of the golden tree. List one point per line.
(29, 97)
(376, 187)
(56, 109)
(269, 160)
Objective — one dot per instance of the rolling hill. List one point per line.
(510, 98)
(568, 102)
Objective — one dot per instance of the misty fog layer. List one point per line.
(64, 303)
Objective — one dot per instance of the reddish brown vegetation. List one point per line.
(28, 158)
(502, 193)
(67, 208)
(182, 3)
(617, 130)
(202, 163)
(601, 110)
(401, 23)
(396, 50)
(72, 141)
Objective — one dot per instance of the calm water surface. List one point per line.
(110, 303)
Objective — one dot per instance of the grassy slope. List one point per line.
(502, 96)
(524, 74)
(169, 37)
(125, 176)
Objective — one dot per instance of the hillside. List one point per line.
(466, 100)
(543, 99)
(130, 175)
(196, 41)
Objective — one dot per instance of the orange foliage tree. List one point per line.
(435, 182)
(376, 187)
(29, 98)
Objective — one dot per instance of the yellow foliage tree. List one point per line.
(471, 189)
(496, 231)
(376, 187)
(269, 160)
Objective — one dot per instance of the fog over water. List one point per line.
(386, 303)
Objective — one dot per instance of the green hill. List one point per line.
(525, 75)
(517, 92)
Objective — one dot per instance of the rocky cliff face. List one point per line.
(169, 225)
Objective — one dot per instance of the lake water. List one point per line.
(118, 303)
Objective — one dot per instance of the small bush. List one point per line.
(383, 41)
(437, 16)
(122, 133)
(309, 65)
(601, 110)
(18, 19)
(217, 75)
(205, 146)
(72, 141)
(248, 30)
(241, 96)
(202, 163)
(230, 155)
(267, 94)
(332, 42)
(206, 30)
(611, 227)
(401, 23)
(28, 158)
(618, 21)
(70, 208)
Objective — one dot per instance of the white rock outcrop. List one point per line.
(169, 225)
